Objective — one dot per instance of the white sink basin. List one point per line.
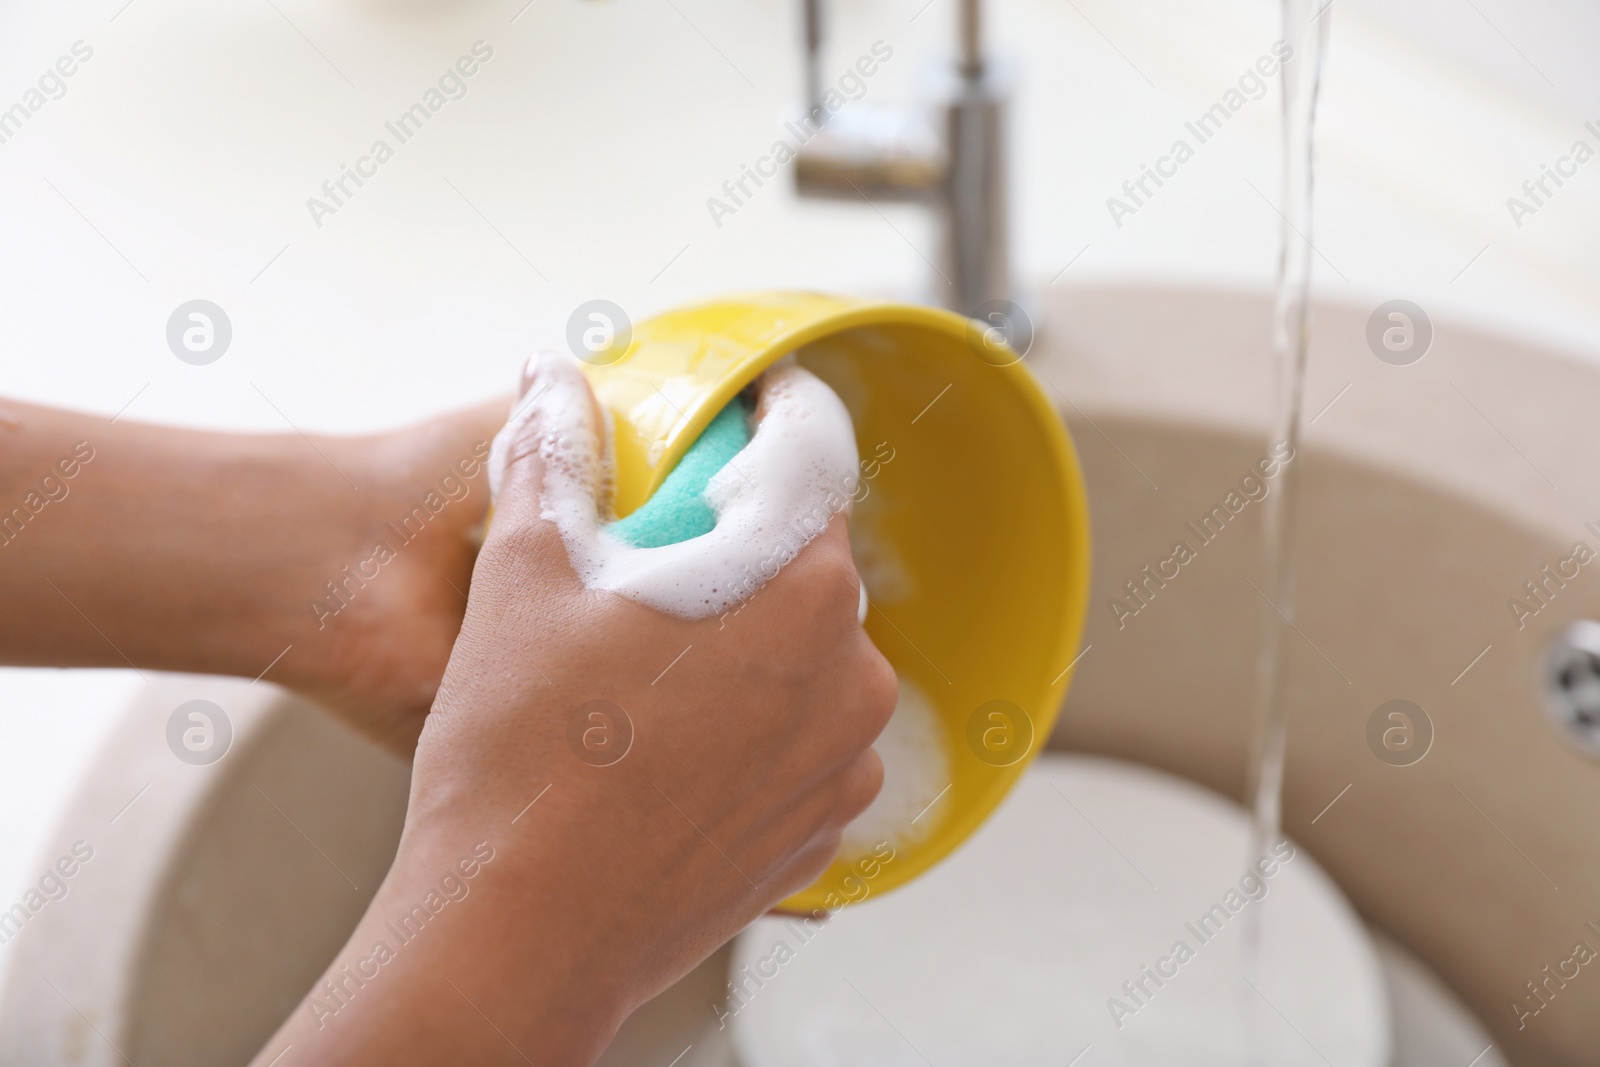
(1420, 518)
(1104, 908)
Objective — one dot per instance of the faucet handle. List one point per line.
(877, 153)
(949, 154)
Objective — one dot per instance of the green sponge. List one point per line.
(678, 511)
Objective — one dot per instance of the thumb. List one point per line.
(549, 457)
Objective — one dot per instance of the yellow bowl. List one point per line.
(972, 539)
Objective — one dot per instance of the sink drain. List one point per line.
(1572, 684)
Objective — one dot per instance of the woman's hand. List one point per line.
(128, 545)
(643, 786)
(375, 634)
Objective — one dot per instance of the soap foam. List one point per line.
(777, 493)
(915, 773)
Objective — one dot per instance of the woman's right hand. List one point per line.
(713, 782)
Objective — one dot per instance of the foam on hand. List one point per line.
(770, 499)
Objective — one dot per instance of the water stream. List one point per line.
(1305, 29)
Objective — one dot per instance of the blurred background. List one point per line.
(178, 161)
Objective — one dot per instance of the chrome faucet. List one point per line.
(949, 155)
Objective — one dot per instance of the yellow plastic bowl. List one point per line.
(973, 539)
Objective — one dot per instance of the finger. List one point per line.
(844, 797)
(460, 429)
(821, 581)
(859, 786)
(465, 435)
(554, 434)
(805, 867)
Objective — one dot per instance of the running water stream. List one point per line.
(1305, 29)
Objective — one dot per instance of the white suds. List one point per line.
(799, 470)
(915, 772)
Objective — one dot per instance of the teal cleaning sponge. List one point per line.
(678, 511)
